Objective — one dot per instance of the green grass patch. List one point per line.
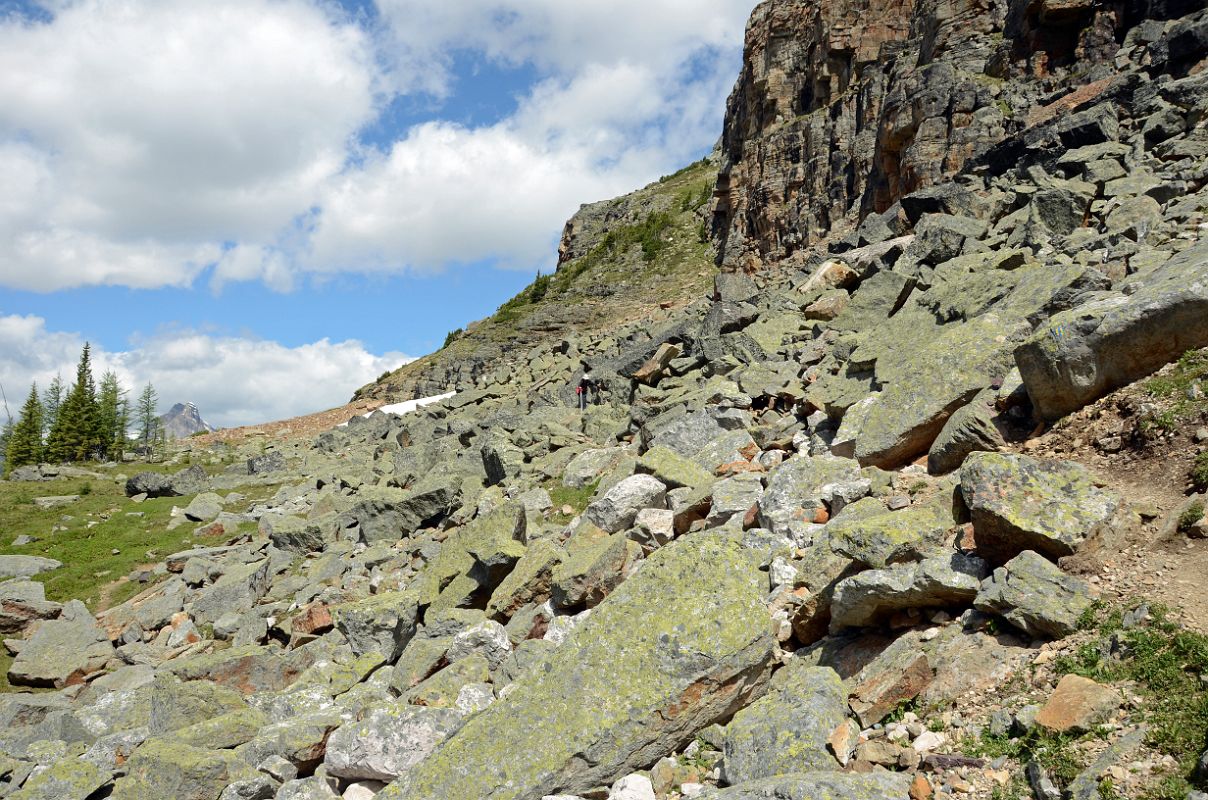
(1176, 386)
(1165, 663)
(575, 498)
(1193, 514)
(1053, 751)
(91, 529)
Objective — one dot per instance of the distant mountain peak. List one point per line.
(184, 420)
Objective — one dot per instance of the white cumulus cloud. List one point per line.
(139, 135)
(233, 381)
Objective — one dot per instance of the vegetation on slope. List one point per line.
(639, 251)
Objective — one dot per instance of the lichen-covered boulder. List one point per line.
(820, 786)
(1035, 596)
(62, 651)
(389, 742)
(871, 596)
(590, 571)
(26, 566)
(888, 537)
(1021, 503)
(164, 768)
(796, 489)
(68, 779)
(673, 469)
(23, 601)
(383, 623)
(682, 644)
(240, 588)
(937, 378)
(616, 510)
(248, 669)
(1082, 354)
(786, 730)
(970, 430)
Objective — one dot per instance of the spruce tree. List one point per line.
(25, 443)
(148, 419)
(76, 434)
(109, 415)
(52, 401)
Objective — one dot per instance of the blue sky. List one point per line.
(260, 205)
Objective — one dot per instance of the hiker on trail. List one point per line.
(587, 385)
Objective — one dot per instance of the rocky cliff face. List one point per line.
(845, 107)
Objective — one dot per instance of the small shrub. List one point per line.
(1193, 514)
(450, 338)
(84, 489)
(1199, 471)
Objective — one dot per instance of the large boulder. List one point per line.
(22, 602)
(872, 596)
(934, 380)
(240, 588)
(1021, 503)
(786, 730)
(26, 566)
(1035, 596)
(616, 510)
(382, 624)
(389, 741)
(682, 644)
(164, 768)
(1081, 355)
(68, 779)
(797, 490)
(191, 480)
(876, 537)
(63, 651)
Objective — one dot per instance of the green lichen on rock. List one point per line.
(1020, 503)
(683, 643)
(69, 779)
(894, 536)
(820, 786)
(162, 768)
(786, 731)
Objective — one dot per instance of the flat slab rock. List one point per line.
(25, 566)
(682, 644)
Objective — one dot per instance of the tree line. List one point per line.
(83, 422)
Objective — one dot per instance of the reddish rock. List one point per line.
(312, 620)
(1077, 705)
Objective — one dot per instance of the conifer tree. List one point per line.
(76, 434)
(25, 443)
(52, 401)
(147, 418)
(109, 414)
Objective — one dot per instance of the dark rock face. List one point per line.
(843, 109)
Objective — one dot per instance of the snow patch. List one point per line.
(399, 409)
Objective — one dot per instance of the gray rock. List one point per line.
(1035, 596)
(239, 589)
(382, 624)
(934, 583)
(1020, 503)
(261, 787)
(819, 785)
(587, 467)
(26, 566)
(157, 484)
(971, 429)
(272, 461)
(204, 507)
(796, 490)
(616, 510)
(62, 651)
(487, 639)
(162, 768)
(24, 601)
(734, 496)
(69, 779)
(687, 632)
(786, 731)
(307, 789)
(389, 742)
(1083, 354)
(295, 534)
